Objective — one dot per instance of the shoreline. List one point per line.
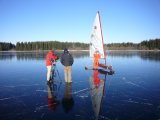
(82, 50)
(44, 51)
(138, 50)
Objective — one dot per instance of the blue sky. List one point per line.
(72, 20)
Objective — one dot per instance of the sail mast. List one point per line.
(102, 37)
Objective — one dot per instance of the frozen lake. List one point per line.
(132, 93)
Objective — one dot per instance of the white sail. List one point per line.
(96, 95)
(96, 39)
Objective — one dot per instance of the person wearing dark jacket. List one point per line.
(67, 60)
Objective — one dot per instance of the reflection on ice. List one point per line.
(67, 100)
(53, 102)
(97, 86)
(96, 96)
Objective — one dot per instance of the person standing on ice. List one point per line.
(96, 59)
(67, 60)
(51, 57)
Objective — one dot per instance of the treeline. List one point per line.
(153, 44)
(122, 46)
(6, 46)
(27, 46)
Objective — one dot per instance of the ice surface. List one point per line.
(132, 93)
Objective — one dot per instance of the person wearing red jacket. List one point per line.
(96, 59)
(50, 58)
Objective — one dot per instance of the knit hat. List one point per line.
(65, 50)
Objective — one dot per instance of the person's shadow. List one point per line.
(68, 101)
(52, 98)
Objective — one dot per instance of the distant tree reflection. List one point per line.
(145, 55)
